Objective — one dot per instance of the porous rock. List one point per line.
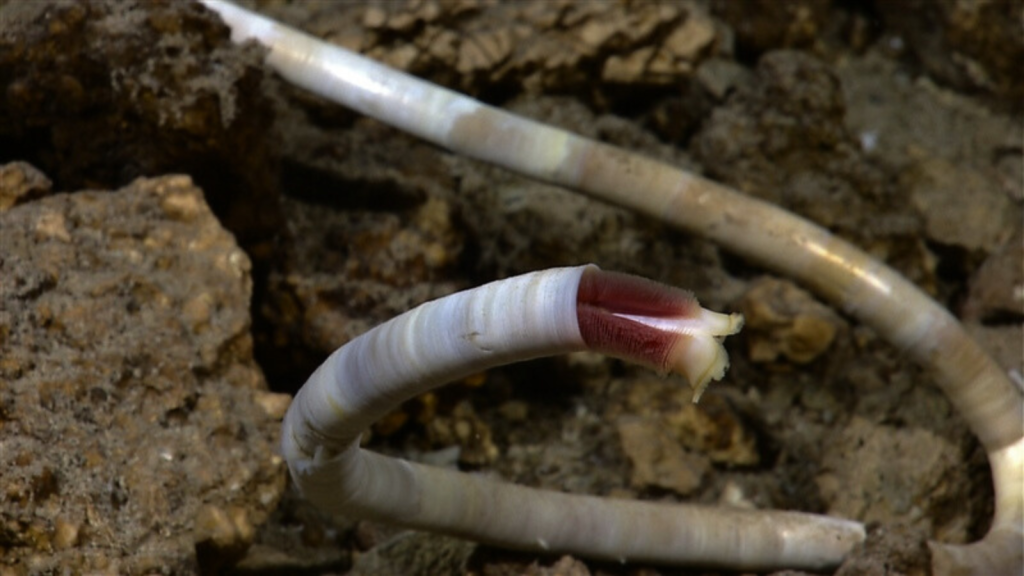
(465, 429)
(784, 321)
(974, 46)
(415, 553)
(900, 548)
(960, 207)
(782, 138)
(996, 291)
(657, 459)
(129, 407)
(762, 25)
(531, 46)
(21, 182)
(711, 428)
(880, 473)
(99, 93)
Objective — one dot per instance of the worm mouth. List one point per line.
(653, 324)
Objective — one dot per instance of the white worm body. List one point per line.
(980, 391)
(506, 321)
(434, 344)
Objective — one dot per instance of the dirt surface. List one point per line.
(902, 138)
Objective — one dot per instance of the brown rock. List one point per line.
(51, 225)
(782, 137)
(464, 428)
(65, 534)
(657, 458)
(628, 68)
(129, 381)
(996, 292)
(21, 182)
(763, 25)
(971, 45)
(349, 270)
(785, 321)
(960, 207)
(893, 550)
(530, 45)
(375, 17)
(274, 405)
(566, 566)
(221, 536)
(711, 428)
(100, 93)
(415, 553)
(692, 37)
(484, 51)
(878, 473)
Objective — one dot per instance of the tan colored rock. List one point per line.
(785, 322)
(20, 182)
(688, 40)
(52, 225)
(960, 207)
(128, 372)
(535, 45)
(65, 534)
(275, 405)
(628, 68)
(98, 94)
(566, 566)
(465, 429)
(181, 205)
(711, 428)
(657, 458)
(715, 430)
(879, 473)
(596, 32)
(375, 17)
(221, 535)
(484, 50)
(996, 289)
(970, 45)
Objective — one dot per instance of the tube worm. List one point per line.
(983, 394)
(537, 314)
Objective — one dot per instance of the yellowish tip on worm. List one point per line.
(699, 355)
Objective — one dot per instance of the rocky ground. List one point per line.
(183, 238)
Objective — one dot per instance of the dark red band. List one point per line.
(602, 295)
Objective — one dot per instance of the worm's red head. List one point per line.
(653, 324)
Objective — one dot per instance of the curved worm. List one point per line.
(841, 273)
(537, 314)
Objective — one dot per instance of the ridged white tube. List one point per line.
(506, 321)
(431, 345)
(980, 391)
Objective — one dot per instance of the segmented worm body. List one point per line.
(841, 273)
(537, 314)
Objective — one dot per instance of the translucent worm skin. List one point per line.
(533, 315)
(861, 286)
